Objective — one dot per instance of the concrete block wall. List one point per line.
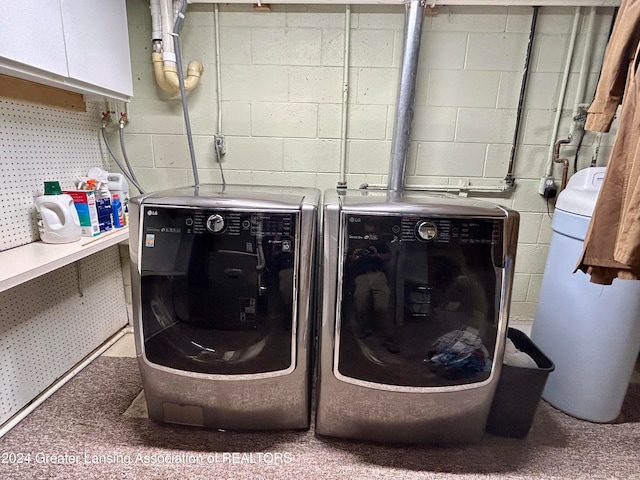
(281, 83)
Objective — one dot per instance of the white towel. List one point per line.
(516, 358)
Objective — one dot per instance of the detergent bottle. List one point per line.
(118, 186)
(58, 220)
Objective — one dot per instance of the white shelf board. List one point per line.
(21, 264)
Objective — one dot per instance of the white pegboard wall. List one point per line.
(41, 143)
(52, 322)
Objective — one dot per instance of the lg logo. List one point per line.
(152, 213)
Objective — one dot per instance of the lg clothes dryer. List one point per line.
(414, 315)
(221, 293)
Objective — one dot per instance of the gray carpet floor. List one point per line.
(81, 433)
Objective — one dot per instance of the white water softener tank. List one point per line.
(590, 331)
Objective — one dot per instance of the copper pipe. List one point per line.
(563, 161)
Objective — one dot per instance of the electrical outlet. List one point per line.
(547, 187)
(550, 192)
(581, 116)
(220, 145)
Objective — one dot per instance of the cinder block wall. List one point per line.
(281, 81)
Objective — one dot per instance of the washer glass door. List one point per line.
(420, 299)
(217, 290)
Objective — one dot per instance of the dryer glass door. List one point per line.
(217, 290)
(420, 299)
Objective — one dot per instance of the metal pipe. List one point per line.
(563, 89)
(342, 180)
(183, 93)
(584, 65)
(219, 136)
(563, 161)
(216, 21)
(509, 179)
(440, 188)
(406, 94)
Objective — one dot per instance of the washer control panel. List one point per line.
(415, 228)
(426, 230)
(215, 223)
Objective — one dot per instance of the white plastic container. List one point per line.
(118, 186)
(58, 219)
(591, 332)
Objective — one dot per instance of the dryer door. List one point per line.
(420, 299)
(217, 290)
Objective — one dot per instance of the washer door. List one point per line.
(420, 300)
(217, 291)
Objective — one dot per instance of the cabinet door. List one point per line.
(97, 40)
(32, 34)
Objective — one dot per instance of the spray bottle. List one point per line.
(103, 204)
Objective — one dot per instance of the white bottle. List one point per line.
(103, 204)
(58, 222)
(118, 186)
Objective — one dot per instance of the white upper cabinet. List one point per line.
(77, 45)
(97, 40)
(31, 34)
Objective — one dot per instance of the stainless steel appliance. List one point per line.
(222, 282)
(416, 289)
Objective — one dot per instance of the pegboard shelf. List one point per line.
(27, 262)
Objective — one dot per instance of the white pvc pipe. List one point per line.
(18, 417)
(156, 20)
(166, 11)
(216, 21)
(163, 57)
(563, 90)
(584, 67)
(342, 180)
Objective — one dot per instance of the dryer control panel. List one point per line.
(166, 231)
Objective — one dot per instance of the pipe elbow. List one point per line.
(159, 73)
(194, 71)
(166, 74)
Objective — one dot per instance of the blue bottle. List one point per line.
(118, 214)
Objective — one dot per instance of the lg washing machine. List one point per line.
(222, 282)
(415, 303)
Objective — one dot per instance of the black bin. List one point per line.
(519, 391)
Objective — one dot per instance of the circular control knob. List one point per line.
(215, 223)
(427, 230)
